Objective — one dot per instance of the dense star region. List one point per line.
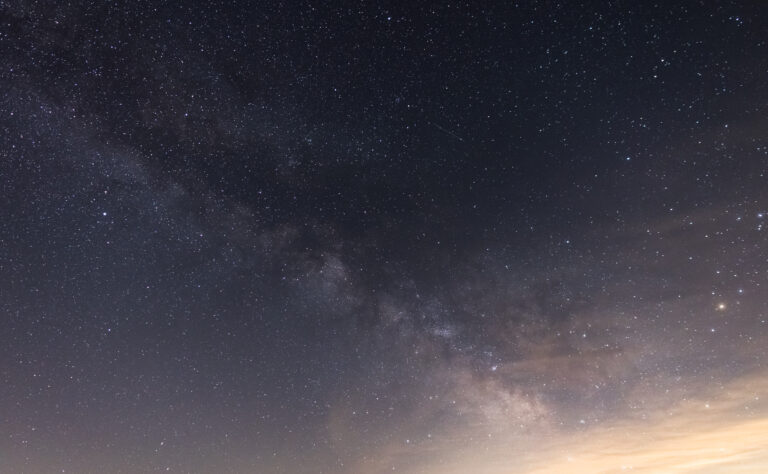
(364, 237)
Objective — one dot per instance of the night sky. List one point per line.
(365, 237)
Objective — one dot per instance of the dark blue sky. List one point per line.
(297, 238)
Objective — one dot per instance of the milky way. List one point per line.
(367, 237)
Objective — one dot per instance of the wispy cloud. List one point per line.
(723, 430)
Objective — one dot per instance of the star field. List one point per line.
(296, 237)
